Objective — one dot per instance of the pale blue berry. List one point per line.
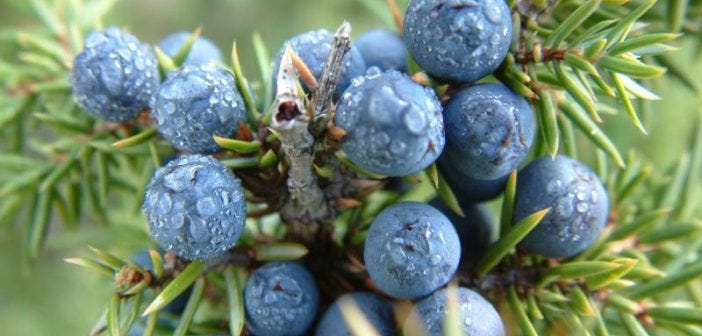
(411, 250)
(196, 102)
(280, 299)
(195, 207)
(458, 40)
(202, 51)
(115, 76)
(476, 315)
(393, 125)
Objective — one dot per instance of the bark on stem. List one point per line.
(306, 210)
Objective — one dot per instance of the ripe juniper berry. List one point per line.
(411, 250)
(394, 125)
(195, 207)
(115, 76)
(578, 201)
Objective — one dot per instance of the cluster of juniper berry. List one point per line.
(394, 126)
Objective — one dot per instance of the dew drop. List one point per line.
(582, 207)
(565, 207)
(581, 195)
(164, 204)
(414, 121)
(397, 147)
(199, 230)
(177, 221)
(207, 206)
(168, 107)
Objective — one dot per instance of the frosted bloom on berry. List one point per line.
(115, 76)
(578, 201)
(411, 250)
(196, 102)
(458, 40)
(280, 298)
(202, 51)
(394, 126)
(195, 207)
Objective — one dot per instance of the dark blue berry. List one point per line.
(196, 102)
(477, 316)
(378, 312)
(195, 207)
(475, 230)
(383, 49)
(489, 130)
(202, 51)
(115, 76)
(411, 250)
(280, 298)
(466, 188)
(578, 201)
(458, 40)
(394, 126)
(313, 48)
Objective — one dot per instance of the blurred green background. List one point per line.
(55, 298)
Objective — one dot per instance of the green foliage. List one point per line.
(577, 61)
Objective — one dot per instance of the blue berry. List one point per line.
(466, 188)
(489, 130)
(202, 51)
(115, 76)
(196, 102)
(578, 201)
(378, 312)
(458, 40)
(411, 250)
(474, 230)
(394, 126)
(280, 298)
(313, 48)
(477, 315)
(384, 49)
(176, 307)
(195, 207)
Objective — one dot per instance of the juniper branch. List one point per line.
(306, 205)
(341, 44)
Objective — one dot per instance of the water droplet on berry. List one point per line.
(582, 207)
(199, 230)
(414, 121)
(177, 221)
(207, 206)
